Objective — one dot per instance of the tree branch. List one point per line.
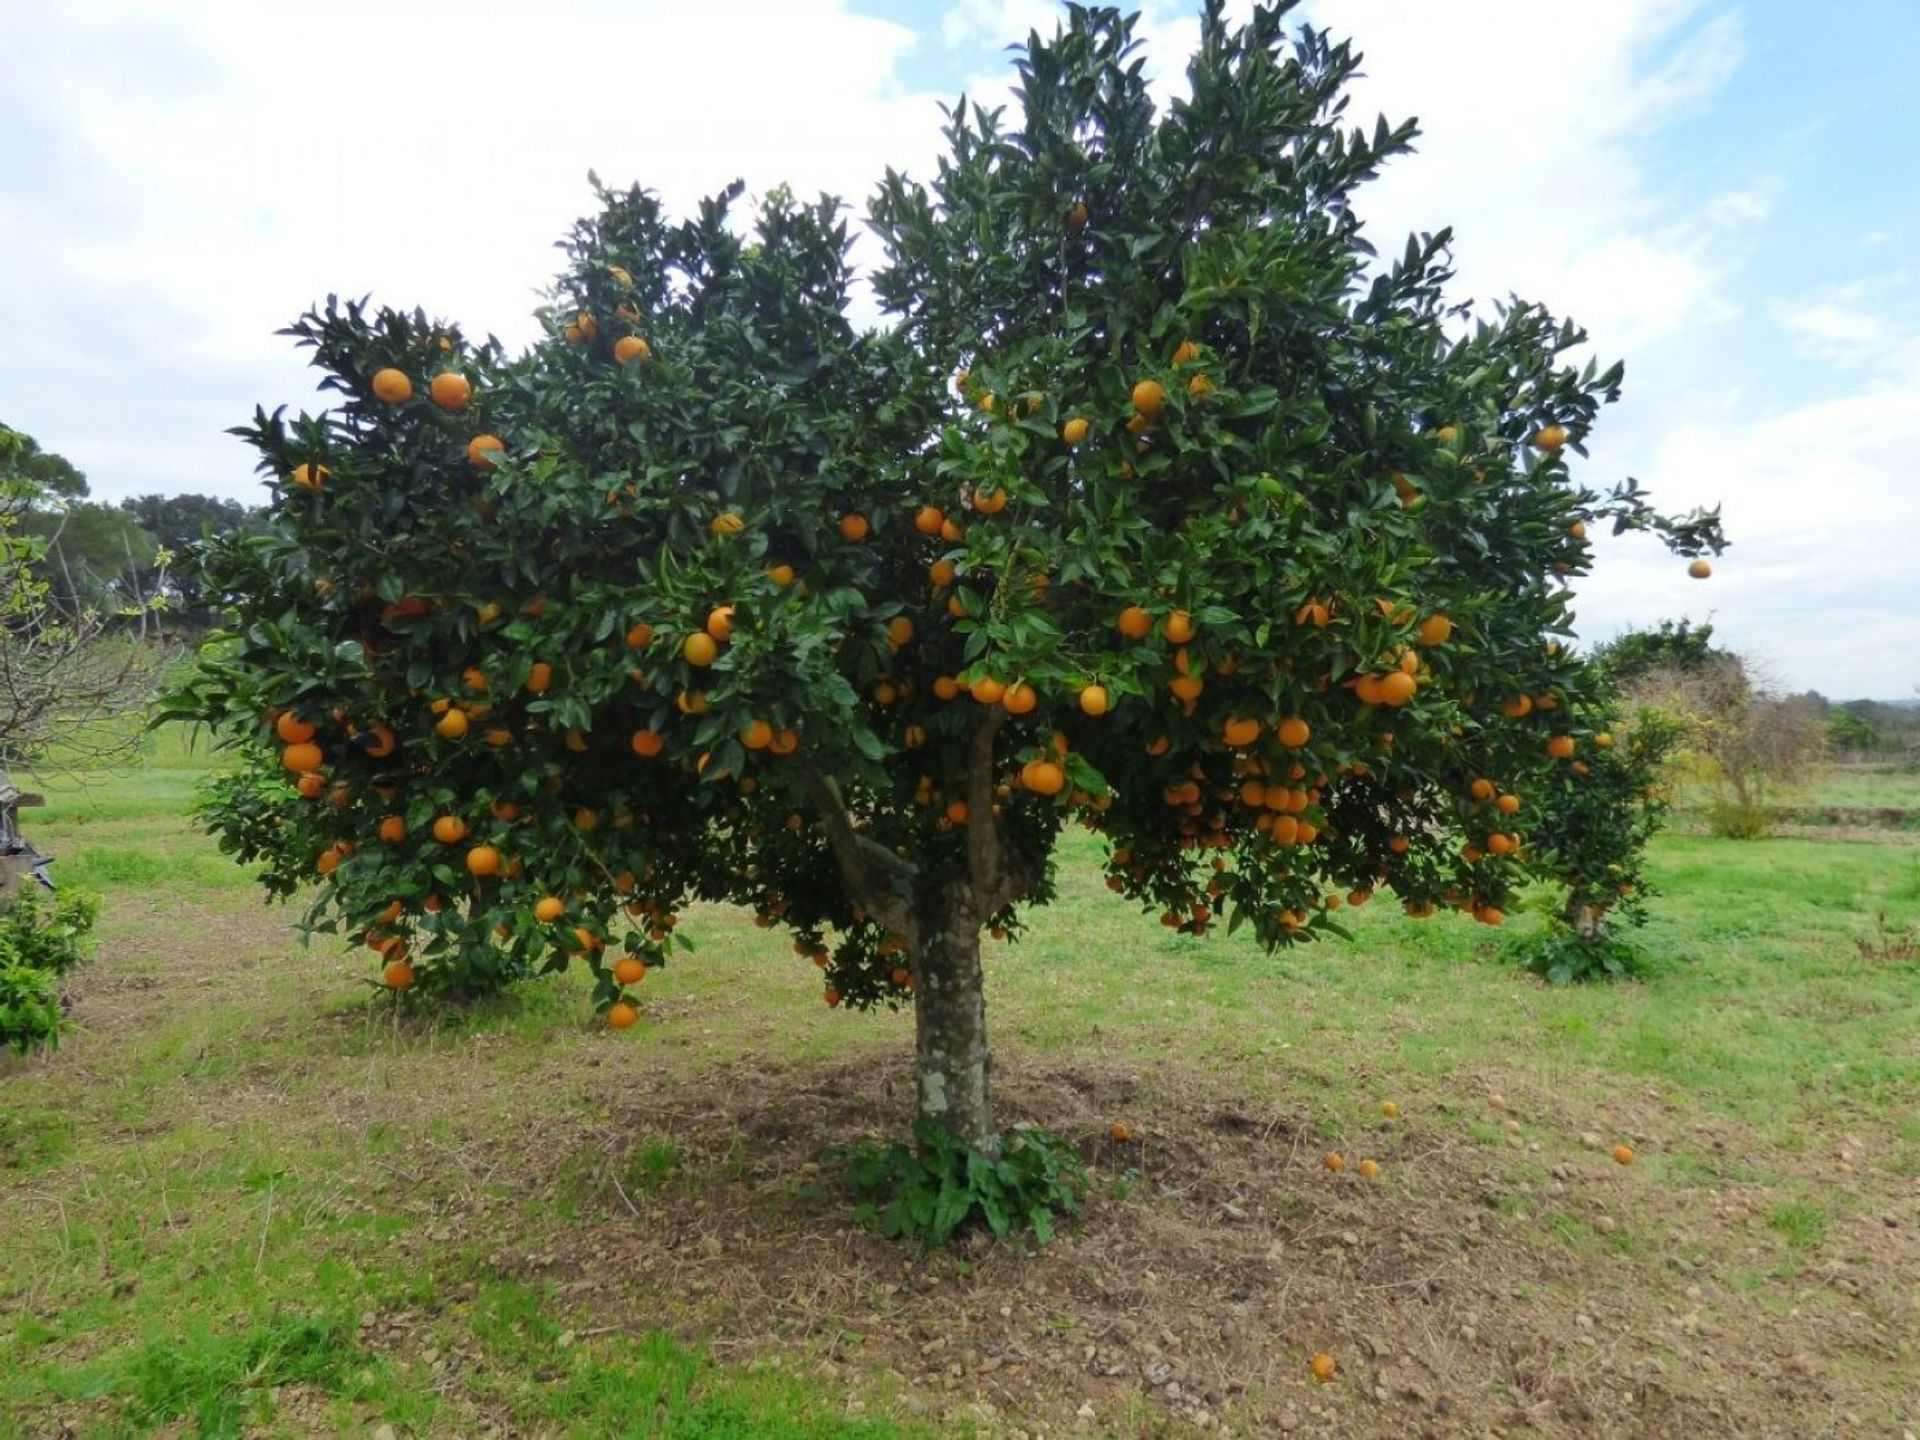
(983, 832)
(875, 877)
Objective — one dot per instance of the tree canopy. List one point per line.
(1160, 505)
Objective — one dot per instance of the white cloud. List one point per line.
(1866, 323)
(1877, 237)
(359, 147)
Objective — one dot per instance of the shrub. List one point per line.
(931, 1194)
(38, 945)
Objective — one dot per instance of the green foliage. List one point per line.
(1733, 819)
(1563, 956)
(932, 1192)
(1678, 644)
(39, 943)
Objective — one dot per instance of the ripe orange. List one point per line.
(1481, 789)
(1093, 700)
(622, 1016)
(304, 756)
(310, 477)
(1119, 1133)
(1020, 698)
(942, 573)
(957, 812)
(483, 860)
(548, 909)
(585, 820)
(1077, 217)
(449, 829)
(1699, 569)
(398, 975)
(648, 743)
(450, 390)
(1187, 353)
(1578, 530)
(1323, 1367)
(720, 623)
(1560, 747)
(1397, 688)
(854, 528)
(393, 829)
(1550, 437)
(1240, 732)
(784, 743)
(1075, 430)
(632, 347)
(1135, 623)
(452, 726)
(629, 970)
(727, 523)
(1199, 387)
(1509, 804)
(1043, 777)
(1178, 627)
(928, 519)
(292, 729)
(1435, 630)
(1389, 1109)
(699, 648)
(987, 690)
(899, 632)
(945, 687)
(1623, 1154)
(539, 678)
(691, 702)
(990, 502)
(1150, 399)
(391, 387)
(1369, 1169)
(311, 786)
(1294, 732)
(1334, 1162)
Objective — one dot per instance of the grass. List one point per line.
(213, 1189)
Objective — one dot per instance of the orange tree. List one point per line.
(1159, 506)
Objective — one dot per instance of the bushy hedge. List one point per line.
(40, 942)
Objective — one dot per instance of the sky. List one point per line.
(1721, 191)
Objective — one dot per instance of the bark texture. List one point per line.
(950, 1029)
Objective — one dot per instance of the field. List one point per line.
(247, 1196)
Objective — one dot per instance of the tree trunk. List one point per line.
(1585, 920)
(950, 1030)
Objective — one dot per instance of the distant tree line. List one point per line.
(101, 559)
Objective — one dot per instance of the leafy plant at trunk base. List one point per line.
(931, 1193)
(39, 943)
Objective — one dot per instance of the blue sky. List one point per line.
(1721, 190)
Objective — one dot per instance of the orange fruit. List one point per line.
(1481, 789)
(1334, 1162)
(449, 829)
(854, 528)
(1509, 804)
(1020, 698)
(452, 725)
(1150, 399)
(1119, 1133)
(1699, 569)
(899, 632)
(1369, 1169)
(987, 690)
(1043, 777)
(691, 702)
(622, 1016)
(1187, 353)
(1623, 1154)
(699, 648)
(398, 975)
(391, 386)
(1294, 732)
(1240, 732)
(942, 573)
(1323, 1367)
(549, 909)
(585, 820)
(1178, 627)
(483, 860)
(393, 829)
(1397, 688)
(310, 786)
(1550, 437)
(1075, 430)
(640, 636)
(720, 623)
(1093, 700)
(632, 347)
(310, 477)
(1199, 387)
(1135, 623)
(1389, 1109)
(1077, 217)
(990, 502)
(1435, 630)
(539, 678)
(450, 390)
(1560, 747)
(304, 756)
(727, 523)
(945, 687)
(648, 743)
(292, 729)
(629, 970)
(928, 520)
